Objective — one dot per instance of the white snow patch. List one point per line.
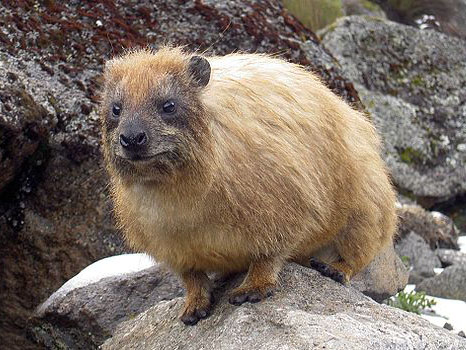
(438, 270)
(462, 243)
(112, 266)
(446, 310)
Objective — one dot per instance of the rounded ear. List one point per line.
(199, 70)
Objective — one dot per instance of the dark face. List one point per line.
(153, 120)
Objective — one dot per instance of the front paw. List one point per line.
(195, 311)
(241, 295)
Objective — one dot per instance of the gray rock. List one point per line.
(451, 283)
(421, 258)
(84, 317)
(308, 312)
(385, 276)
(412, 82)
(451, 257)
(86, 310)
(438, 230)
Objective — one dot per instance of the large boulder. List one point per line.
(54, 213)
(86, 310)
(82, 313)
(412, 82)
(308, 312)
(421, 258)
(450, 283)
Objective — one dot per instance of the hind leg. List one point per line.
(358, 244)
(355, 246)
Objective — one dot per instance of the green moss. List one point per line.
(315, 14)
(409, 155)
(406, 261)
(369, 5)
(418, 81)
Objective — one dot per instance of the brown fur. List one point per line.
(270, 166)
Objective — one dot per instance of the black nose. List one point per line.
(133, 141)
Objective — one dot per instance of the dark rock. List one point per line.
(438, 230)
(461, 334)
(451, 283)
(422, 259)
(385, 276)
(451, 257)
(448, 16)
(309, 311)
(24, 126)
(448, 326)
(84, 317)
(412, 82)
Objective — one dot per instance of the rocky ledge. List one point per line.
(308, 311)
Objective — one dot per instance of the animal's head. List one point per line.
(154, 124)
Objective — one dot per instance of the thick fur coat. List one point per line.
(266, 165)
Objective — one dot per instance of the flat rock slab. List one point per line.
(308, 312)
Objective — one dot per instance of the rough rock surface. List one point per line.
(54, 213)
(438, 230)
(308, 312)
(385, 276)
(84, 317)
(450, 257)
(412, 83)
(85, 311)
(450, 283)
(421, 258)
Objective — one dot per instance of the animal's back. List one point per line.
(290, 152)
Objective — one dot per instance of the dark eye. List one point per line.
(116, 111)
(169, 107)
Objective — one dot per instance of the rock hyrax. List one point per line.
(240, 163)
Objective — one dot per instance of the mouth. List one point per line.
(136, 158)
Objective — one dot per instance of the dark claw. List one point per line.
(189, 320)
(192, 318)
(328, 271)
(254, 297)
(238, 299)
(251, 296)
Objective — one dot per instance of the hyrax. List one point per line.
(240, 163)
